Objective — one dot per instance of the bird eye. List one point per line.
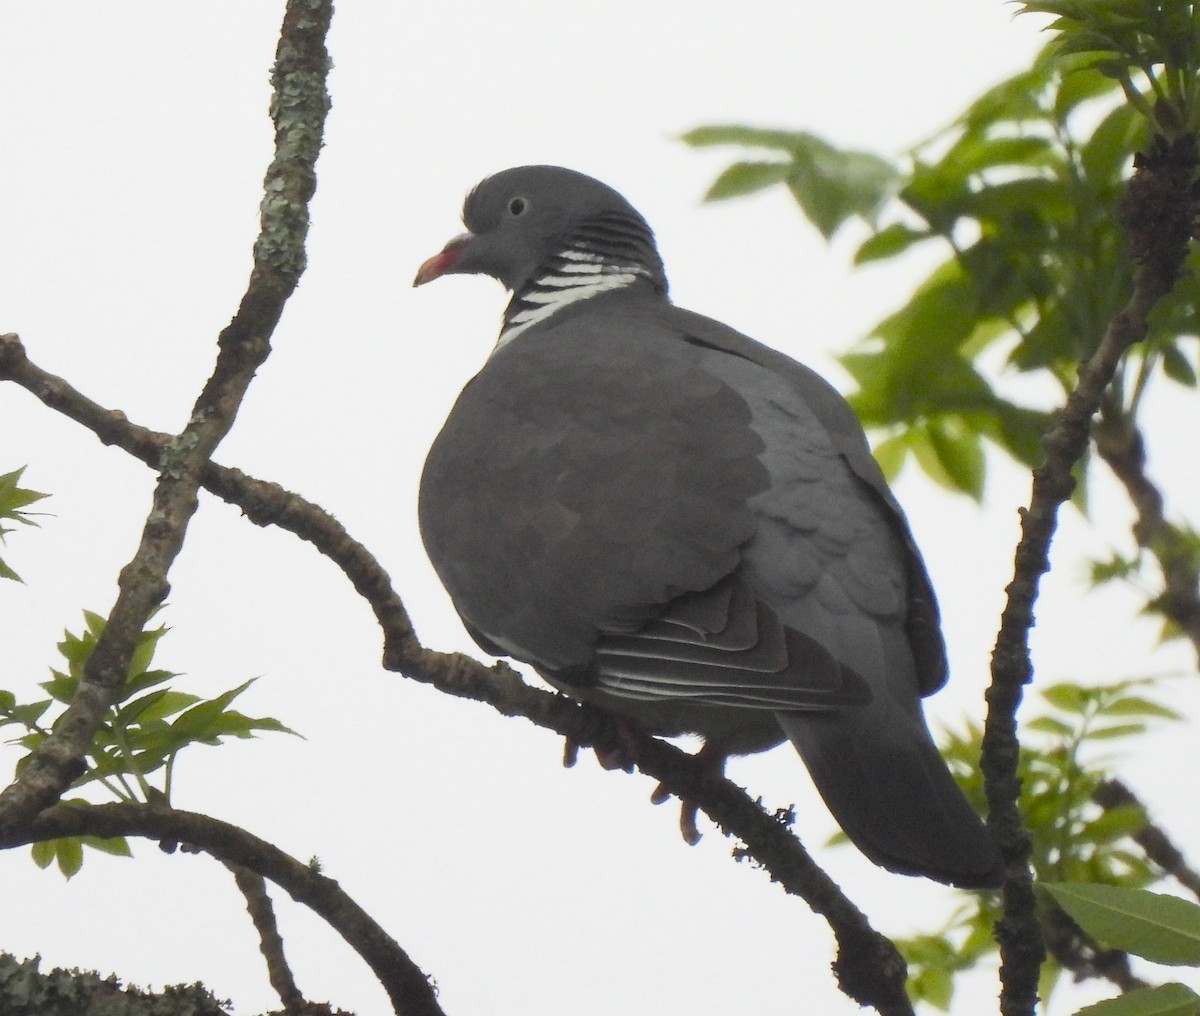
(517, 206)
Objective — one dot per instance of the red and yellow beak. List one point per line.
(445, 261)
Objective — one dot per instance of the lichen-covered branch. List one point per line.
(299, 106)
(407, 987)
(25, 990)
(1158, 216)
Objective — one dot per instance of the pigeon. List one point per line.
(686, 527)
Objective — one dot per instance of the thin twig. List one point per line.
(1158, 216)
(1120, 443)
(299, 106)
(1079, 953)
(258, 904)
(1151, 838)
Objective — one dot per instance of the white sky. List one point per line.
(135, 137)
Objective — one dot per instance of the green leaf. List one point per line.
(832, 186)
(889, 242)
(29, 714)
(1164, 929)
(156, 705)
(61, 688)
(1137, 705)
(118, 846)
(960, 453)
(43, 853)
(1114, 823)
(68, 852)
(205, 715)
(745, 178)
(934, 985)
(143, 652)
(1177, 366)
(1078, 86)
(1163, 1000)
(1116, 730)
(748, 137)
(890, 453)
(974, 152)
(1066, 696)
(1109, 150)
(1049, 725)
(13, 499)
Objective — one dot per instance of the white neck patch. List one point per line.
(585, 275)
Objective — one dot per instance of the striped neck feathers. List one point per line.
(610, 250)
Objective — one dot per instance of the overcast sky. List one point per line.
(135, 136)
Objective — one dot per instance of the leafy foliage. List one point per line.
(1163, 1000)
(1021, 190)
(147, 726)
(1022, 193)
(1163, 929)
(1149, 47)
(830, 185)
(13, 500)
(1066, 751)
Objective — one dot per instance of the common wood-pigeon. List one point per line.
(669, 519)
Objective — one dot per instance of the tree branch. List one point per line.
(1079, 953)
(1151, 838)
(26, 991)
(263, 503)
(270, 943)
(407, 987)
(1158, 216)
(1119, 442)
(299, 105)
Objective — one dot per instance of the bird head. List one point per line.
(519, 218)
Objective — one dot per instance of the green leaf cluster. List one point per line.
(1066, 751)
(1021, 192)
(145, 729)
(831, 185)
(1162, 929)
(13, 500)
(1149, 47)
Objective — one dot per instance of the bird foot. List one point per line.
(712, 758)
(620, 757)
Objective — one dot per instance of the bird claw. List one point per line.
(712, 758)
(570, 752)
(621, 757)
(687, 813)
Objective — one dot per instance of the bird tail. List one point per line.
(883, 780)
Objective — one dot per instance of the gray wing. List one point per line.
(836, 420)
(834, 558)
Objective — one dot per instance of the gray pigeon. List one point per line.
(671, 520)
